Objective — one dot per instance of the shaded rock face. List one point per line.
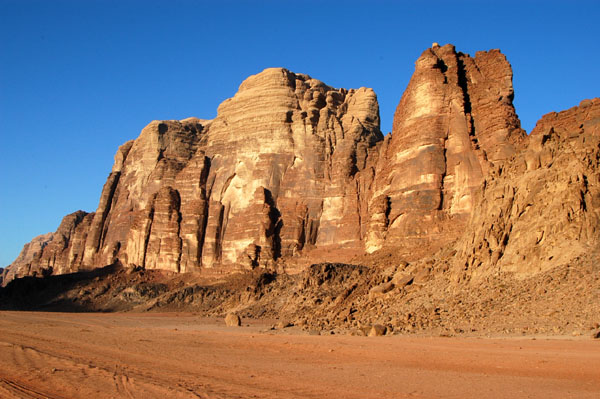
(59, 252)
(541, 209)
(455, 120)
(290, 164)
(30, 253)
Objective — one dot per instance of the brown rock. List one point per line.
(283, 324)
(542, 208)
(381, 289)
(233, 320)
(454, 121)
(377, 330)
(290, 164)
(402, 280)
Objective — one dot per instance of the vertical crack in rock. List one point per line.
(106, 199)
(462, 83)
(180, 249)
(274, 229)
(147, 235)
(205, 194)
(219, 233)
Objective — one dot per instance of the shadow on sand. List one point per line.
(48, 293)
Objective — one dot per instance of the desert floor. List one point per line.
(125, 355)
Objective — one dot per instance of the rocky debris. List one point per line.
(541, 209)
(377, 330)
(283, 324)
(290, 165)
(233, 320)
(327, 298)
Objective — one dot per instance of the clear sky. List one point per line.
(78, 78)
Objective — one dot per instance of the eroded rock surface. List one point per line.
(291, 165)
(455, 120)
(276, 171)
(542, 208)
(54, 253)
(30, 252)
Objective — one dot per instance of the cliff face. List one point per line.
(29, 255)
(291, 164)
(455, 120)
(540, 209)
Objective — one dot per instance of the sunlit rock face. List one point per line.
(542, 208)
(283, 154)
(454, 121)
(275, 172)
(290, 165)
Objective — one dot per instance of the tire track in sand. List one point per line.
(23, 391)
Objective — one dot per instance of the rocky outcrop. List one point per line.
(291, 165)
(454, 122)
(59, 252)
(275, 172)
(30, 252)
(541, 209)
(283, 152)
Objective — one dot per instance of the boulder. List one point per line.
(377, 330)
(233, 320)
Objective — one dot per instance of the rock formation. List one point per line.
(273, 173)
(30, 253)
(54, 253)
(541, 209)
(455, 120)
(290, 164)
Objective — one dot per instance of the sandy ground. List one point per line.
(70, 355)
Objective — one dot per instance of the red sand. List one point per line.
(68, 355)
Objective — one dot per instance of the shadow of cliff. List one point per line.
(50, 293)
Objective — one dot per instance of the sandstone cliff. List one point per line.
(29, 254)
(454, 122)
(290, 164)
(542, 208)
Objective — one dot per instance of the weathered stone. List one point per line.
(291, 165)
(402, 280)
(377, 330)
(455, 119)
(31, 252)
(542, 208)
(233, 320)
(381, 289)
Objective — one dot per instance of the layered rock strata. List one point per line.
(542, 208)
(54, 253)
(291, 164)
(455, 120)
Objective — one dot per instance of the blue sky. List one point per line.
(79, 78)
